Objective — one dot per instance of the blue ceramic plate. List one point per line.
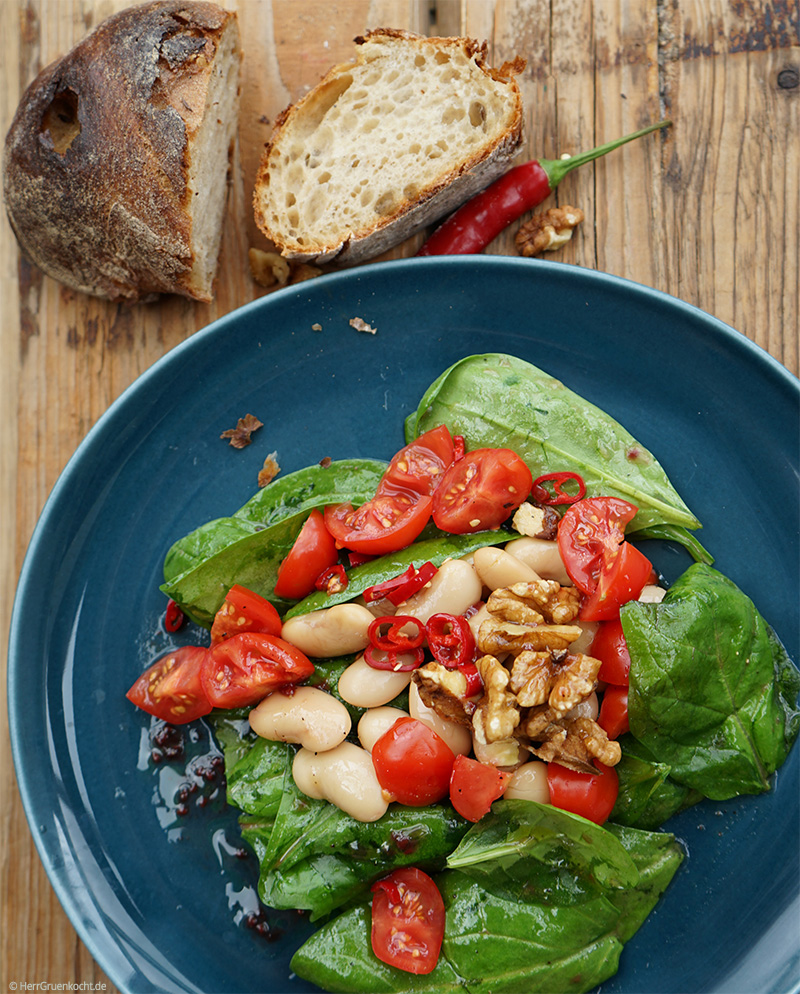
(165, 901)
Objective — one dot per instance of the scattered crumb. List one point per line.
(316, 327)
(240, 435)
(325, 462)
(269, 470)
(361, 325)
(268, 268)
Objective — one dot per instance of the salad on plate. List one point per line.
(455, 699)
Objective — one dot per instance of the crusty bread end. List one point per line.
(386, 144)
(116, 162)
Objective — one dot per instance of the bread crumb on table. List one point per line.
(269, 470)
(240, 435)
(361, 325)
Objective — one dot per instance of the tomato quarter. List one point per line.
(171, 688)
(620, 581)
(481, 491)
(384, 524)
(244, 611)
(413, 763)
(592, 796)
(313, 551)
(243, 669)
(610, 647)
(408, 920)
(473, 787)
(613, 717)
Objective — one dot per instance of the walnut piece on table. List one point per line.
(549, 231)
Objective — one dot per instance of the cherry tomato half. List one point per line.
(384, 524)
(621, 580)
(613, 717)
(313, 551)
(171, 688)
(244, 611)
(420, 465)
(243, 669)
(408, 919)
(589, 535)
(592, 796)
(481, 491)
(610, 647)
(473, 787)
(413, 763)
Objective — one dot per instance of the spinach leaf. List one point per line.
(248, 548)
(499, 400)
(514, 931)
(713, 693)
(516, 833)
(434, 550)
(316, 857)
(648, 795)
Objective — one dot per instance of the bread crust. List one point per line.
(471, 175)
(96, 159)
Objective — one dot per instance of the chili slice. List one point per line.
(450, 639)
(332, 580)
(400, 588)
(557, 481)
(459, 448)
(394, 639)
(174, 617)
(398, 662)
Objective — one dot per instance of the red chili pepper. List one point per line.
(474, 682)
(391, 659)
(401, 587)
(481, 219)
(387, 633)
(358, 558)
(332, 580)
(450, 639)
(174, 617)
(557, 480)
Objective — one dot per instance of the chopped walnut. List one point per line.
(361, 325)
(531, 678)
(496, 715)
(269, 470)
(240, 435)
(535, 521)
(572, 742)
(561, 679)
(549, 231)
(498, 637)
(445, 691)
(268, 268)
(531, 602)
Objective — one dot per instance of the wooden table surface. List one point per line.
(708, 212)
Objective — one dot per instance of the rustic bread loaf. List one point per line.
(116, 162)
(386, 144)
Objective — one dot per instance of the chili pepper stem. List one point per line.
(557, 169)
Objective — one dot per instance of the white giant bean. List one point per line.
(457, 737)
(308, 716)
(453, 589)
(365, 687)
(332, 631)
(375, 722)
(542, 556)
(497, 568)
(344, 776)
(529, 782)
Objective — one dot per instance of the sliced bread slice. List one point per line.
(386, 144)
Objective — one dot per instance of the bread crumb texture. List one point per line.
(393, 140)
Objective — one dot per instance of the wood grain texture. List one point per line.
(708, 211)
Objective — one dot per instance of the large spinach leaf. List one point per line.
(713, 693)
(499, 400)
(515, 930)
(248, 548)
